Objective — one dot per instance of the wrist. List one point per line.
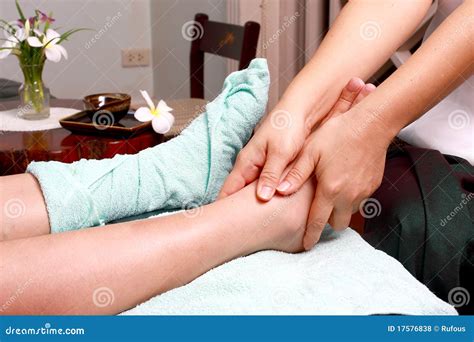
(308, 106)
(371, 125)
(294, 112)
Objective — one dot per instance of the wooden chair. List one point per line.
(226, 40)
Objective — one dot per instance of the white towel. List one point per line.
(342, 275)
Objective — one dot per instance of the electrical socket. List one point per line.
(135, 58)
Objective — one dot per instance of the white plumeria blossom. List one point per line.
(9, 45)
(160, 115)
(49, 41)
(12, 41)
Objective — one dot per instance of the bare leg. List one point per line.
(23, 210)
(133, 261)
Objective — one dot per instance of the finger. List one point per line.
(236, 181)
(245, 171)
(340, 217)
(271, 175)
(319, 213)
(366, 90)
(348, 96)
(299, 172)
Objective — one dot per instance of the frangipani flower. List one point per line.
(52, 49)
(161, 118)
(7, 47)
(11, 43)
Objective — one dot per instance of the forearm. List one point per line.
(131, 262)
(443, 62)
(362, 38)
(24, 213)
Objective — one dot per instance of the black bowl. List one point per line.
(113, 105)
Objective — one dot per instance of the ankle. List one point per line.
(280, 223)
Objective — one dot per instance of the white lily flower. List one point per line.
(12, 41)
(38, 32)
(22, 33)
(8, 47)
(160, 115)
(52, 49)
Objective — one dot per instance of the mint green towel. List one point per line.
(187, 171)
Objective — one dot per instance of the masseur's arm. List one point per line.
(362, 38)
(347, 153)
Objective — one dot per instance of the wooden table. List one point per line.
(18, 149)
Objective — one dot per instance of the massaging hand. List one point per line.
(347, 157)
(278, 141)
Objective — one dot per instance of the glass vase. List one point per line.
(34, 96)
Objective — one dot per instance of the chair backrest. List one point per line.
(226, 40)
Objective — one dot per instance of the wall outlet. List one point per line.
(135, 58)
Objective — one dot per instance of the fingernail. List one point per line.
(266, 192)
(355, 84)
(307, 245)
(370, 87)
(285, 185)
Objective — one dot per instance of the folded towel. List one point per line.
(185, 172)
(342, 275)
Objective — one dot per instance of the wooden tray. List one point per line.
(81, 123)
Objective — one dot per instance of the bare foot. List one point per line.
(280, 223)
(290, 218)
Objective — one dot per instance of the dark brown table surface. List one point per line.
(18, 149)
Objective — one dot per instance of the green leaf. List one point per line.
(67, 34)
(20, 12)
(11, 29)
(8, 48)
(48, 24)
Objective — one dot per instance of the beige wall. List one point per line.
(157, 24)
(92, 66)
(291, 30)
(171, 50)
